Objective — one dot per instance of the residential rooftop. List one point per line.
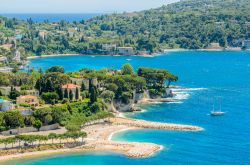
(70, 86)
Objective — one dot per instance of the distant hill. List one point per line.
(188, 24)
(191, 24)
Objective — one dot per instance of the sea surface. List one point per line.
(219, 78)
(52, 17)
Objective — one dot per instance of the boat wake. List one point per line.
(181, 95)
(176, 102)
(189, 89)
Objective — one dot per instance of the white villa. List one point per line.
(127, 51)
(246, 44)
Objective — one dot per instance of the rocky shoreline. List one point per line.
(153, 125)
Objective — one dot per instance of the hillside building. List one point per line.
(246, 44)
(28, 99)
(73, 88)
(5, 105)
(127, 51)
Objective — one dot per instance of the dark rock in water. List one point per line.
(135, 109)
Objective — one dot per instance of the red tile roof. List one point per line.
(70, 86)
(27, 97)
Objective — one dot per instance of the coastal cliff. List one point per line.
(138, 99)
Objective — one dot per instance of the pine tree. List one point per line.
(66, 94)
(77, 94)
(71, 96)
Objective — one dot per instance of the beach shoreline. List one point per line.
(52, 55)
(100, 136)
(140, 55)
(99, 139)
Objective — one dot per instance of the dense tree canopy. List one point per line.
(127, 69)
(52, 81)
(189, 24)
(56, 69)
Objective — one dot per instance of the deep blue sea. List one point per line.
(52, 17)
(208, 77)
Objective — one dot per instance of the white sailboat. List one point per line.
(217, 113)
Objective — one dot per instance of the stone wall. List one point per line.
(29, 129)
(50, 127)
(100, 121)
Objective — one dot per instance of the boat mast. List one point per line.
(213, 106)
(220, 104)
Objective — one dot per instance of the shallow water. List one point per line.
(209, 77)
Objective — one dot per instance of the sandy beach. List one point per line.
(52, 55)
(99, 138)
(63, 55)
(141, 55)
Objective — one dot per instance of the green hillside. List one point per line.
(190, 24)
(186, 24)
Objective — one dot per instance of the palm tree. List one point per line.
(12, 140)
(7, 141)
(52, 136)
(1, 141)
(21, 138)
(31, 139)
(60, 136)
(82, 135)
(45, 138)
(39, 138)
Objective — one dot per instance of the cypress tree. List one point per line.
(71, 96)
(20, 82)
(93, 95)
(1, 94)
(83, 87)
(77, 94)
(60, 94)
(90, 85)
(39, 85)
(66, 94)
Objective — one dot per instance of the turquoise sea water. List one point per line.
(225, 140)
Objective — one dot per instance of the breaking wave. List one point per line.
(189, 89)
